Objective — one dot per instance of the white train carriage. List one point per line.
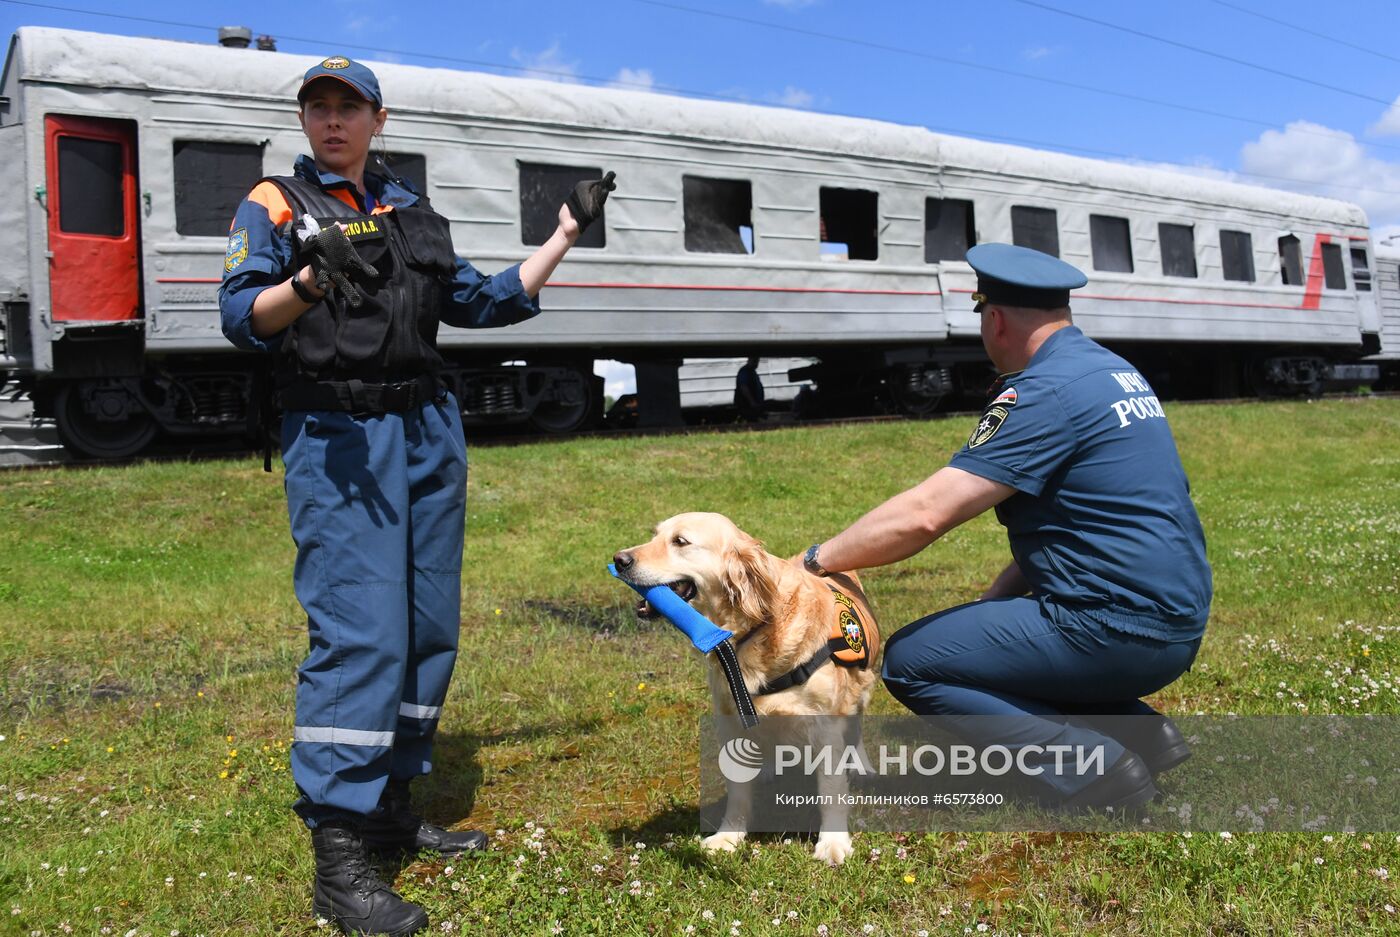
(1387, 279)
(735, 230)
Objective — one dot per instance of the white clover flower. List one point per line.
(707, 915)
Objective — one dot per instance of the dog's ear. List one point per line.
(748, 580)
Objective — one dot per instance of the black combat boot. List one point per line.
(394, 827)
(350, 893)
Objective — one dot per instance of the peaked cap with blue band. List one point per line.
(357, 76)
(1018, 276)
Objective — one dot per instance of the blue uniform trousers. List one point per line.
(378, 509)
(1036, 663)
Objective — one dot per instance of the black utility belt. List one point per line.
(356, 396)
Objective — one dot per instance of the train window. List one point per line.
(1178, 243)
(211, 178)
(1237, 255)
(1112, 244)
(1036, 228)
(949, 229)
(90, 187)
(1333, 276)
(718, 215)
(1360, 270)
(412, 167)
(1290, 260)
(850, 224)
(543, 189)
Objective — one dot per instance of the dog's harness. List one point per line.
(851, 643)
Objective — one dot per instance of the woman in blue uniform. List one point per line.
(342, 276)
(1107, 594)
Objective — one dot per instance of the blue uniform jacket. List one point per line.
(1102, 520)
(260, 251)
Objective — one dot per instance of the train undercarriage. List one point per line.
(116, 417)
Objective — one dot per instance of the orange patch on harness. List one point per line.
(850, 627)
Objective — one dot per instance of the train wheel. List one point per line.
(915, 391)
(101, 420)
(574, 403)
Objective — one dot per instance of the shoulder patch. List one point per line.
(1005, 398)
(987, 427)
(237, 249)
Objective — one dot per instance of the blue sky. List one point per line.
(1311, 104)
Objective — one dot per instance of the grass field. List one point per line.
(149, 638)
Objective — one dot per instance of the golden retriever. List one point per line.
(781, 615)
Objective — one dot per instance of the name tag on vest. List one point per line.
(360, 228)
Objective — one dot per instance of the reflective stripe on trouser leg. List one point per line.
(437, 478)
(346, 495)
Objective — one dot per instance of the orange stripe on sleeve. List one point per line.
(270, 197)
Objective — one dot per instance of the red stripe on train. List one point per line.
(1311, 299)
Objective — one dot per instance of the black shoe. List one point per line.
(1125, 786)
(350, 893)
(394, 827)
(1154, 739)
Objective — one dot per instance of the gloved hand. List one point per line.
(585, 202)
(335, 261)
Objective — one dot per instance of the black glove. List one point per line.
(586, 200)
(334, 260)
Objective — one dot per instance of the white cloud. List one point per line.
(634, 79)
(1382, 232)
(1318, 160)
(790, 4)
(1389, 124)
(791, 97)
(1037, 52)
(548, 64)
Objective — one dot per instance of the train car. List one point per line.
(736, 230)
(1388, 297)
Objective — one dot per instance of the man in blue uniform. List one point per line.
(342, 276)
(1106, 597)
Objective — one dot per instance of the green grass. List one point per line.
(149, 639)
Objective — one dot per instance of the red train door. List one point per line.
(94, 270)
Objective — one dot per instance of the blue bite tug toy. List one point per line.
(705, 635)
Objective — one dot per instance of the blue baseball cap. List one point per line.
(1018, 276)
(354, 74)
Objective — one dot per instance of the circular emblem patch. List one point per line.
(336, 61)
(850, 629)
(987, 427)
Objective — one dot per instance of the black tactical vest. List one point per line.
(392, 336)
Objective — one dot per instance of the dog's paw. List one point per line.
(833, 848)
(725, 840)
